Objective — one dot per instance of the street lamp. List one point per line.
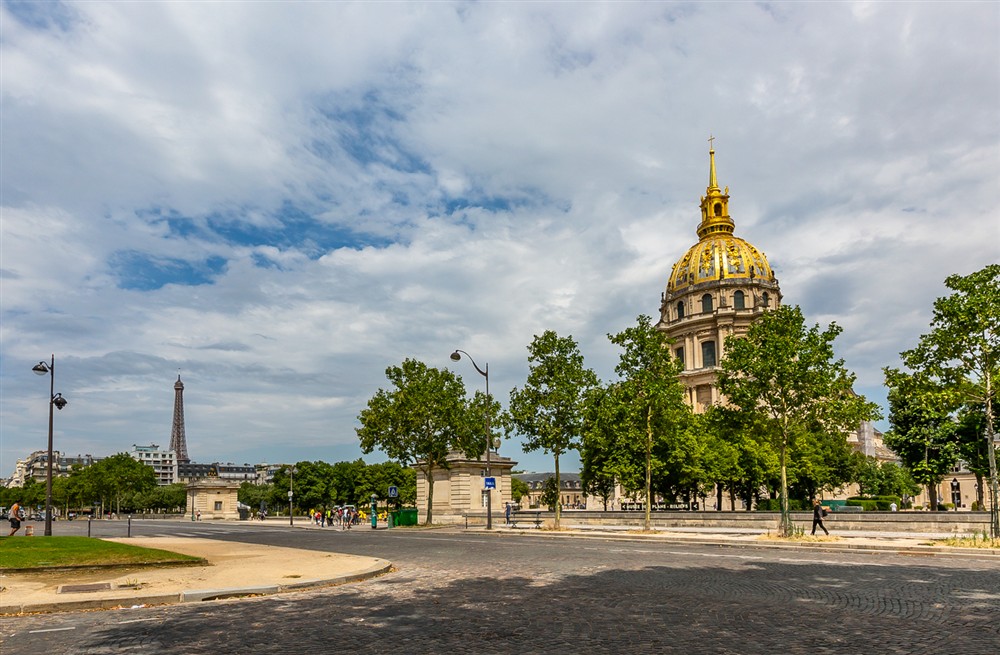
(55, 400)
(455, 356)
(291, 479)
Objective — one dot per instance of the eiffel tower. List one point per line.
(178, 442)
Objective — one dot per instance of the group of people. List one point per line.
(343, 517)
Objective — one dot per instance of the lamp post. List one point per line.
(291, 479)
(456, 356)
(55, 400)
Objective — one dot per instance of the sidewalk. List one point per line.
(234, 569)
(891, 542)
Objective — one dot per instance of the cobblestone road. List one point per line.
(460, 593)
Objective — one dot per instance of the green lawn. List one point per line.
(52, 552)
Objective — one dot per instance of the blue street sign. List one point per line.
(393, 492)
(490, 483)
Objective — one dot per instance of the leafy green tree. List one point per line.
(377, 478)
(254, 494)
(654, 412)
(518, 489)
(548, 410)
(420, 420)
(961, 355)
(739, 459)
(923, 430)
(972, 448)
(785, 376)
(344, 481)
(597, 450)
(119, 476)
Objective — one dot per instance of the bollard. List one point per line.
(129, 525)
(29, 531)
(90, 519)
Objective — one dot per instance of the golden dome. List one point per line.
(718, 255)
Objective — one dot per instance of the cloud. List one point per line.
(280, 200)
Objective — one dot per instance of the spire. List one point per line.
(713, 182)
(715, 220)
(178, 442)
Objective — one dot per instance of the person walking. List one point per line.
(14, 515)
(818, 513)
(506, 514)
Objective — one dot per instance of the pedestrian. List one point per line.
(199, 514)
(818, 513)
(15, 517)
(892, 506)
(506, 514)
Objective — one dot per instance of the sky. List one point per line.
(278, 200)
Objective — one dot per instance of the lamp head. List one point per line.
(59, 401)
(455, 356)
(41, 368)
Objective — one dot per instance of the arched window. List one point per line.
(765, 299)
(718, 209)
(707, 353)
(706, 303)
(739, 300)
(680, 309)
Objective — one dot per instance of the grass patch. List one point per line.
(42, 553)
(975, 541)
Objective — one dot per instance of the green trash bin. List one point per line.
(392, 519)
(407, 516)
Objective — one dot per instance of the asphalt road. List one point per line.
(456, 592)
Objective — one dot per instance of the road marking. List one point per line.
(32, 632)
(136, 621)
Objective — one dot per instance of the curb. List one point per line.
(193, 595)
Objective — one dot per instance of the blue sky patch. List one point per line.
(141, 272)
(41, 15)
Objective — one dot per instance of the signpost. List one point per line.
(489, 483)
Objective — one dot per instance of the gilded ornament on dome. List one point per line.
(707, 266)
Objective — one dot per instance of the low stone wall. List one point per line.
(962, 523)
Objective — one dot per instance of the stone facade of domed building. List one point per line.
(718, 288)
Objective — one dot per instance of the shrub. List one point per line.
(865, 504)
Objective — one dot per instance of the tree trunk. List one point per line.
(429, 477)
(558, 493)
(786, 518)
(649, 467)
(718, 498)
(932, 497)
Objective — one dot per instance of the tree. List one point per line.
(923, 431)
(518, 489)
(419, 421)
(653, 411)
(119, 475)
(785, 376)
(597, 448)
(961, 355)
(548, 410)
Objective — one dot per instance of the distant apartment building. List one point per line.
(192, 471)
(35, 466)
(163, 462)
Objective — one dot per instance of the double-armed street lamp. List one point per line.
(55, 400)
(456, 356)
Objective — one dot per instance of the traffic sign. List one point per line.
(489, 483)
(393, 492)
